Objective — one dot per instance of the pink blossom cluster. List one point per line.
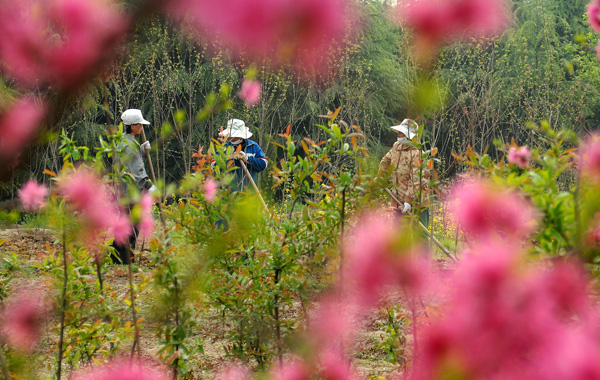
(97, 209)
(375, 260)
(520, 156)
(280, 31)
(58, 42)
(210, 190)
(122, 369)
(592, 236)
(593, 11)
(250, 92)
(590, 158)
(437, 22)
(22, 320)
(19, 125)
(486, 212)
(33, 195)
(146, 224)
(234, 371)
(506, 320)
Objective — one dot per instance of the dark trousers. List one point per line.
(121, 250)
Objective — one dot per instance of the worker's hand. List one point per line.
(241, 156)
(145, 146)
(153, 190)
(406, 208)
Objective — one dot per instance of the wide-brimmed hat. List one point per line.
(236, 128)
(133, 116)
(408, 126)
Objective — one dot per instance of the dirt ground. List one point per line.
(32, 246)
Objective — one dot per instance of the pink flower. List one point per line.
(436, 22)
(234, 372)
(95, 203)
(22, 320)
(122, 370)
(506, 320)
(593, 232)
(33, 196)
(120, 229)
(63, 42)
(335, 320)
(89, 29)
(21, 55)
(19, 125)
(146, 224)
(484, 211)
(590, 157)
(519, 156)
(280, 31)
(374, 263)
(593, 11)
(82, 189)
(334, 367)
(291, 370)
(250, 92)
(210, 190)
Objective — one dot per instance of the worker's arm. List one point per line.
(257, 159)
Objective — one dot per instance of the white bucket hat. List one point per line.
(408, 126)
(236, 128)
(133, 116)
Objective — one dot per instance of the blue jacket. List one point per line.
(257, 162)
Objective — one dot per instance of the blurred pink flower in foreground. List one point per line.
(294, 369)
(374, 262)
(519, 156)
(333, 367)
(484, 211)
(335, 320)
(437, 22)
(33, 196)
(590, 157)
(146, 224)
(99, 213)
(121, 369)
(281, 31)
(210, 190)
(250, 92)
(120, 229)
(506, 320)
(234, 371)
(593, 11)
(18, 126)
(63, 42)
(22, 320)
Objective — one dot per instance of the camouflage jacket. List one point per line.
(406, 185)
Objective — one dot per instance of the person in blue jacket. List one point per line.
(246, 150)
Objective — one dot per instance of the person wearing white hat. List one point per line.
(237, 135)
(407, 183)
(131, 157)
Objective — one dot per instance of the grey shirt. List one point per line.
(132, 159)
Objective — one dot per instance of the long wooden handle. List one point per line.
(424, 229)
(163, 220)
(254, 184)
